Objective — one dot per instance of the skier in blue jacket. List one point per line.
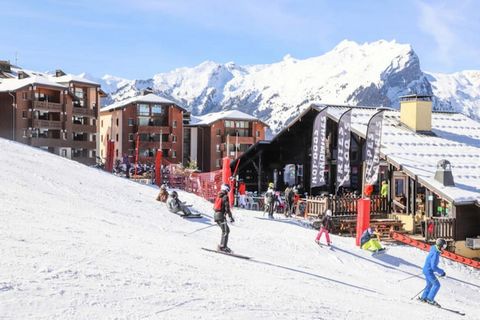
(429, 270)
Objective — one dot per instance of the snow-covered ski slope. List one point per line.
(78, 243)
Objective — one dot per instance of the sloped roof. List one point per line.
(148, 98)
(210, 118)
(70, 77)
(15, 84)
(456, 139)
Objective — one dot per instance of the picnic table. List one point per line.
(383, 226)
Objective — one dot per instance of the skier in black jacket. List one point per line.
(222, 209)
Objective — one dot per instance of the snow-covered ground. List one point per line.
(78, 243)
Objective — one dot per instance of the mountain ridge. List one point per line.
(371, 74)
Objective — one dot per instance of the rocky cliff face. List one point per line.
(370, 74)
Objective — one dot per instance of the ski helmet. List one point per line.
(163, 186)
(328, 212)
(174, 194)
(271, 185)
(441, 243)
(225, 187)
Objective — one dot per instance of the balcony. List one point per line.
(77, 144)
(154, 129)
(239, 139)
(47, 106)
(48, 142)
(46, 124)
(83, 112)
(155, 144)
(84, 128)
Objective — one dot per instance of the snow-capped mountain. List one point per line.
(373, 74)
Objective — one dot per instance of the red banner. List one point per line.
(158, 167)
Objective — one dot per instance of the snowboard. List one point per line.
(228, 253)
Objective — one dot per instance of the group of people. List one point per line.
(369, 240)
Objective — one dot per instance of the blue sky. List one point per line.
(138, 38)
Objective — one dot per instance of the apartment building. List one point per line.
(57, 112)
(156, 121)
(222, 134)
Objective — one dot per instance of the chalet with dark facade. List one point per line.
(222, 134)
(431, 161)
(57, 112)
(156, 121)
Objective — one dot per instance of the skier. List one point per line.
(163, 194)
(222, 208)
(175, 205)
(326, 227)
(269, 200)
(429, 269)
(370, 240)
(288, 201)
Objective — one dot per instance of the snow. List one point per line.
(148, 98)
(78, 243)
(15, 84)
(215, 116)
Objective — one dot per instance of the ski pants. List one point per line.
(433, 285)
(322, 231)
(372, 245)
(225, 231)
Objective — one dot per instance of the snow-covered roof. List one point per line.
(456, 138)
(13, 84)
(210, 118)
(70, 77)
(148, 98)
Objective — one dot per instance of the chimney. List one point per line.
(444, 173)
(59, 73)
(416, 112)
(146, 91)
(22, 75)
(5, 66)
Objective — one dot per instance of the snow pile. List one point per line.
(78, 243)
(369, 74)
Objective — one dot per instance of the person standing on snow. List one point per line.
(429, 270)
(222, 209)
(242, 190)
(326, 227)
(269, 200)
(288, 200)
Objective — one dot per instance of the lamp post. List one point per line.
(14, 109)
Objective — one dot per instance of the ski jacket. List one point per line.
(289, 195)
(431, 263)
(242, 189)
(366, 236)
(269, 196)
(225, 210)
(327, 223)
(173, 205)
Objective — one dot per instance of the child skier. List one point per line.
(326, 227)
(222, 209)
(370, 241)
(429, 269)
(175, 205)
(163, 194)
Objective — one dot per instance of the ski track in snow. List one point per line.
(78, 243)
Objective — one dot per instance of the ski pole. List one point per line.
(417, 294)
(200, 229)
(415, 275)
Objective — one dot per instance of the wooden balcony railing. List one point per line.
(154, 129)
(46, 105)
(47, 124)
(84, 128)
(84, 112)
(440, 228)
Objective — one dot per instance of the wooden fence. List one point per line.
(340, 206)
(442, 228)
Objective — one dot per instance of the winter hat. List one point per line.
(225, 187)
(328, 213)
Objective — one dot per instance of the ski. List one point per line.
(192, 216)
(444, 308)
(228, 253)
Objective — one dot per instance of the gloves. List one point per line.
(232, 220)
(442, 275)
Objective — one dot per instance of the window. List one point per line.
(174, 154)
(217, 163)
(130, 137)
(174, 139)
(143, 121)
(174, 125)
(94, 122)
(399, 186)
(143, 110)
(258, 133)
(101, 137)
(116, 137)
(101, 153)
(116, 153)
(25, 95)
(219, 132)
(218, 148)
(131, 122)
(108, 137)
(157, 110)
(24, 133)
(117, 122)
(24, 114)
(165, 153)
(101, 123)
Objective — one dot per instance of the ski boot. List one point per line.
(421, 299)
(434, 303)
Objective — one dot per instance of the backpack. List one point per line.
(217, 205)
